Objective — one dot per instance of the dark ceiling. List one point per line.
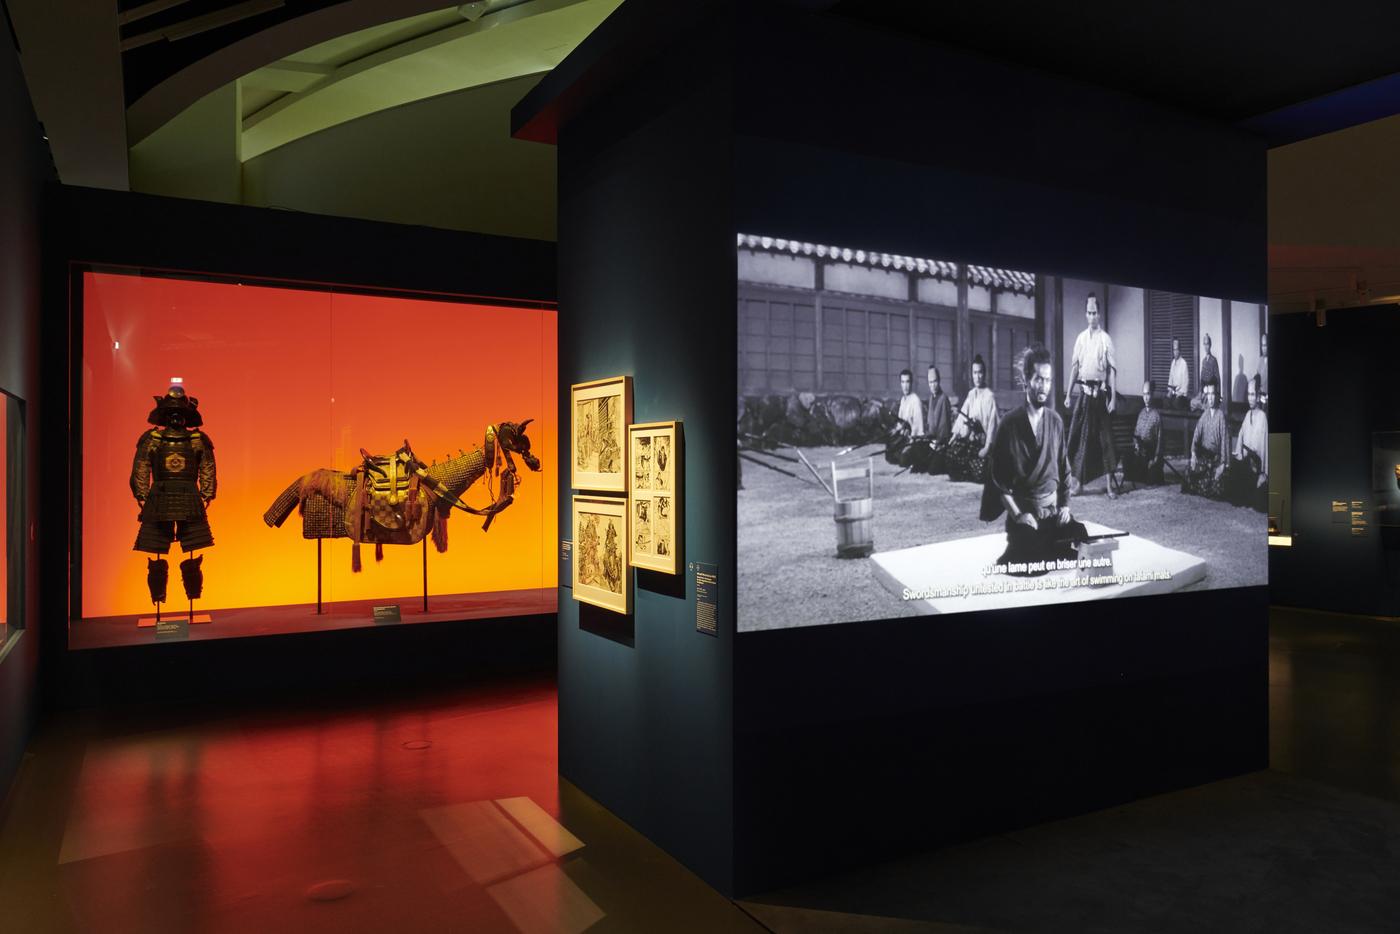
(1227, 59)
(148, 65)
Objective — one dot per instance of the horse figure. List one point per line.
(396, 499)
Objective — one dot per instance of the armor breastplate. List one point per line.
(174, 456)
(174, 495)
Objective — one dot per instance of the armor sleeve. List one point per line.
(141, 468)
(208, 478)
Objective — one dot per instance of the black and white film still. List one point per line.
(921, 436)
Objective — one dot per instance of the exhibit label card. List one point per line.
(388, 614)
(706, 598)
(566, 554)
(177, 627)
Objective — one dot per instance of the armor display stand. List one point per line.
(425, 575)
(318, 577)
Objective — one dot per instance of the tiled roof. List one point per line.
(1011, 279)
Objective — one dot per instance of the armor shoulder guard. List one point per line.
(147, 436)
(200, 439)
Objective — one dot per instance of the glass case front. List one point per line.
(1281, 489)
(260, 458)
(5, 533)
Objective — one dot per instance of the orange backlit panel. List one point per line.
(289, 380)
(4, 517)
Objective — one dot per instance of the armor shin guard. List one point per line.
(193, 577)
(157, 575)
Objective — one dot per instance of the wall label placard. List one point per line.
(176, 627)
(388, 614)
(566, 554)
(706, 597)
(1360, 517)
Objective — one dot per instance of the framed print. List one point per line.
(599, 413)
(654, 505)
(600, 574)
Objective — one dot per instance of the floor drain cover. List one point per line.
(417, 744)
(331, 890)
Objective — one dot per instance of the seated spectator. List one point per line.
(1210, 448)
(1143, 464)
(1248, 481)
(976, 424)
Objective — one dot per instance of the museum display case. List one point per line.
(1281, 489)
(11, 572)
(276, 457)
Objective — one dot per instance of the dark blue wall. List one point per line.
(646, 288)
(767, 757)
(856, 742)
(24, 164)
(876, 141)
(1336, 385)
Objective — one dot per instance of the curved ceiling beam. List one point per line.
(68, 49)
(527, 39)
(163, 102)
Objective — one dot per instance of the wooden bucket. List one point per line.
(854, 488)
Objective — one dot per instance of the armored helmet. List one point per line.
(175, 400)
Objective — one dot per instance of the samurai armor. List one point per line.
(193, 577)
(172, 477)
(156, 537)
(157, 578)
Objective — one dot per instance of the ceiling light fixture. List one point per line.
(476, 9)
(473, 11)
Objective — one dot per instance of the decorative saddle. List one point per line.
(387, 491)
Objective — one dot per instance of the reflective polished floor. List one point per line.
(444, 812)
(436, 813)
(1311, 845)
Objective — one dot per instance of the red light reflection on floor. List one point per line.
(232, 828)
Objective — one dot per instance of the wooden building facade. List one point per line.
(827, 319)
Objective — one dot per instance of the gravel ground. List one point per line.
(789, 574)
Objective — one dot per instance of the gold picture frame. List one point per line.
(599, 563)
(599, 413)
(655, 458)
